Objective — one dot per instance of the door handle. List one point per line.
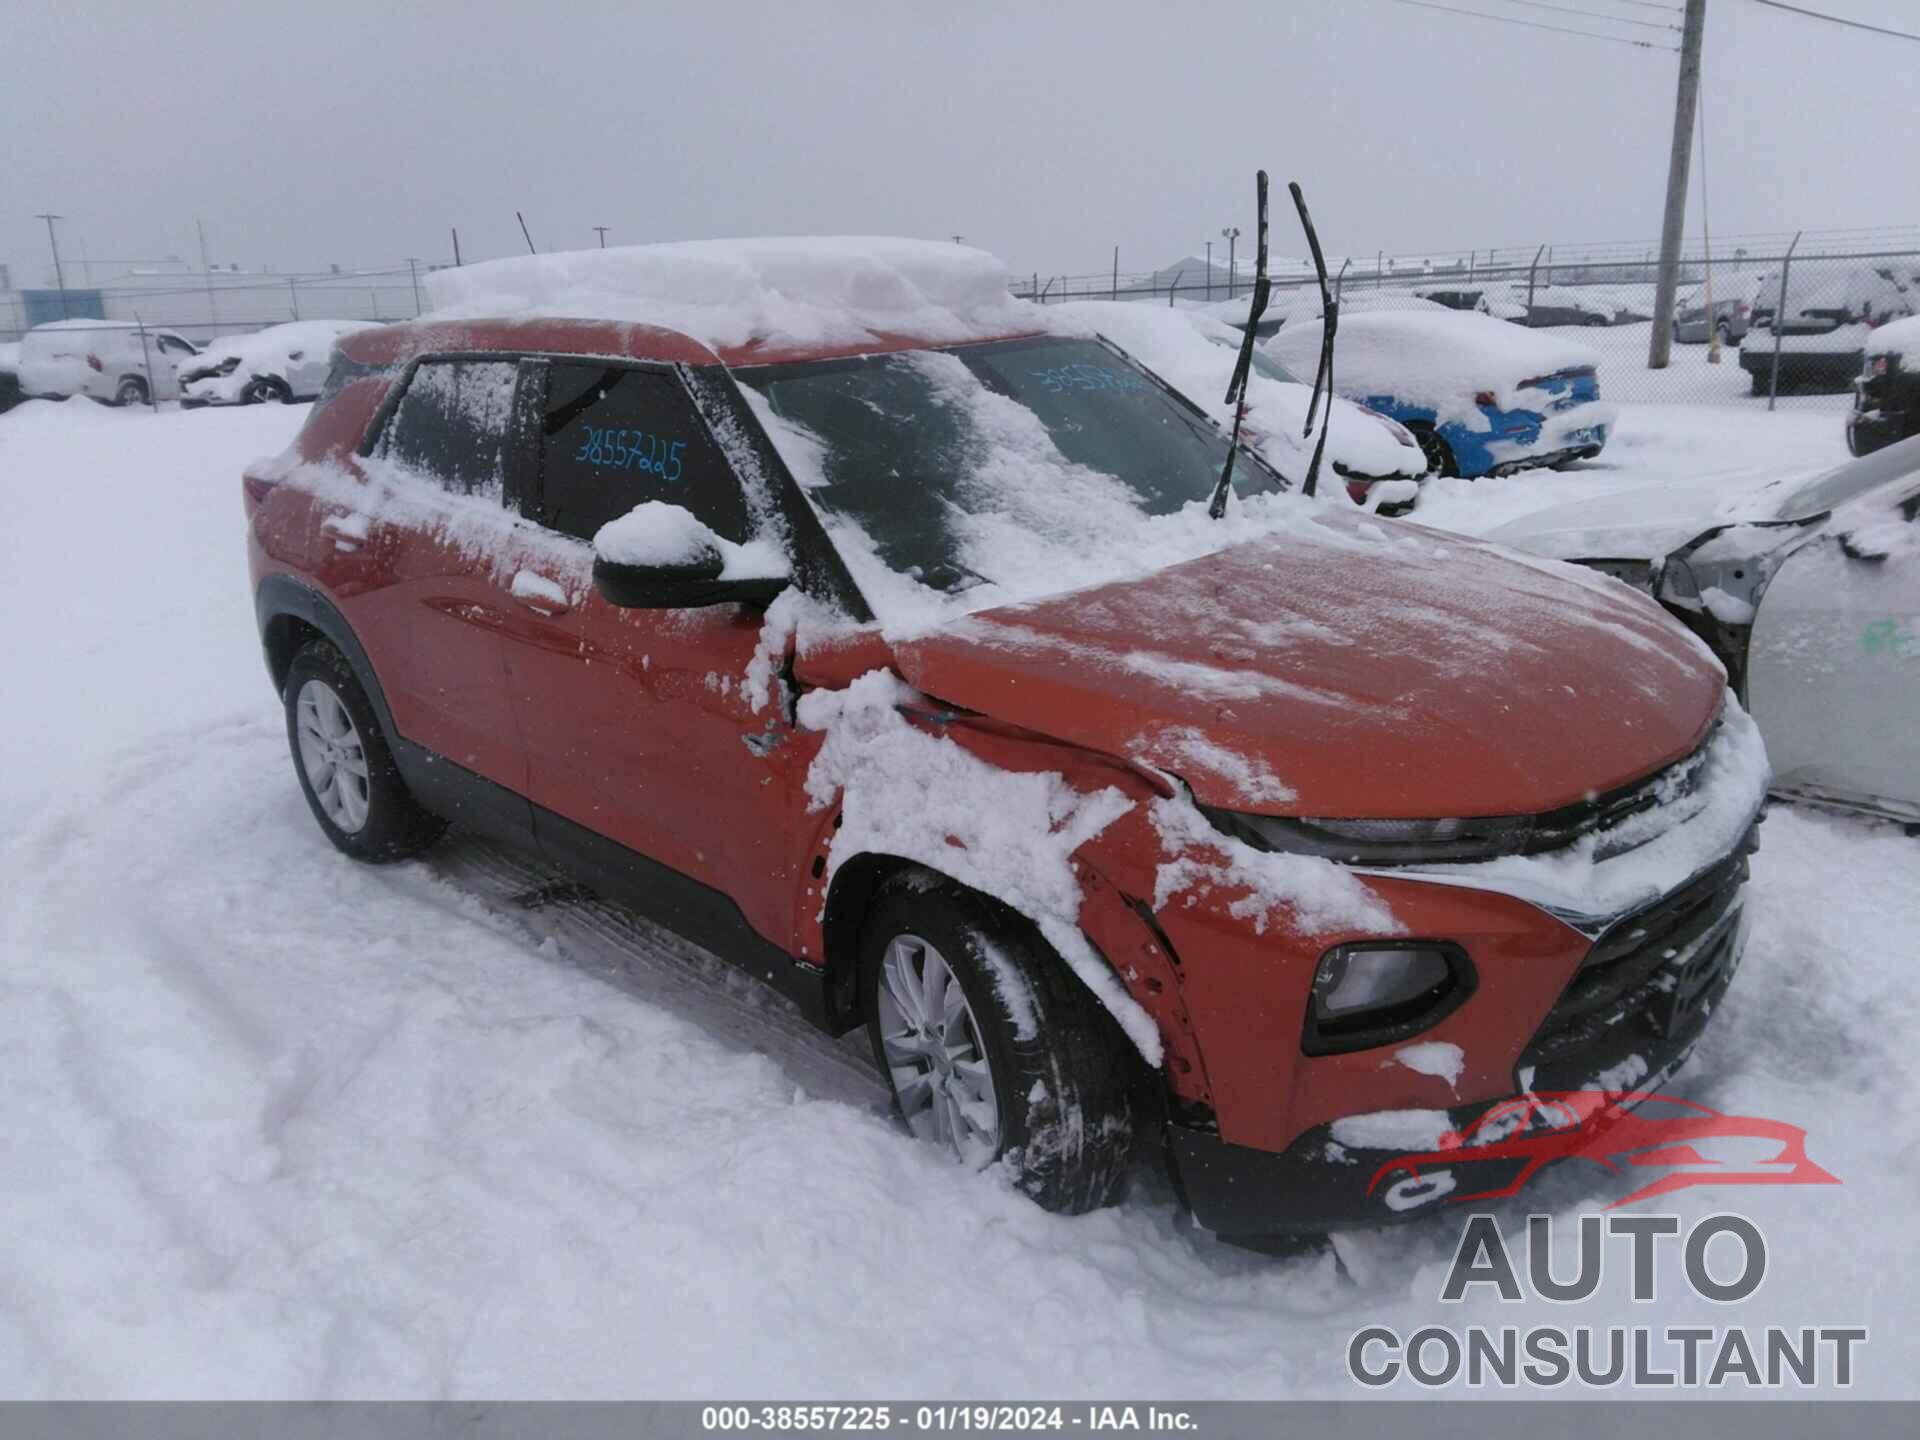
(537, 593)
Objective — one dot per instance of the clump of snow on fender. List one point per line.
(1433, 1057)
(1183, 747)
(1008, 834)
(1305, 891)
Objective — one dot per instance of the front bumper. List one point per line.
(1871, 430)
(1629, 1018)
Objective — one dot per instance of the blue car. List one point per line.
(1483, 397)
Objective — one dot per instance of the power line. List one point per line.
(1536, 25)
(1837, 20)
(1593, 15)
(1650, 5)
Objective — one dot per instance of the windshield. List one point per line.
(1004, 464)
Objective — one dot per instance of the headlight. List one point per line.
(1678, 584)
(1378, 992)
(1397, 430)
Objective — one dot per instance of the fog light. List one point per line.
(1378, 992)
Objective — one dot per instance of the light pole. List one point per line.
(59, 278)
(1231, 234)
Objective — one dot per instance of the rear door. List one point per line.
(1834, 663)
(438, 549)
(641, 725)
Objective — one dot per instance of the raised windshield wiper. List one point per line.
(1237, 387)
(1330, 322)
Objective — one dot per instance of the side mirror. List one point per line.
(660, 557)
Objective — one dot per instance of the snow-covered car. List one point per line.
(1886, 397)
(818, 598)
(1302, 305)
(282, 362)
(1376, 459)
(1822, 344)
(1731, 316)
(1482, 397)
(1809, 592)
(1559, 305)
(110, 360)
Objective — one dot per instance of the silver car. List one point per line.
(1690, 320)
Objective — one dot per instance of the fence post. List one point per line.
(1116, 274)
(146, 359)
(1531, 271)
(293, 295)
(1779, 319)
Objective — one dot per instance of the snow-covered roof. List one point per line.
(1899, 337)
(1430, 357)
(777, 293)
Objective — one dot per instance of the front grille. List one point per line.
(1659, 969)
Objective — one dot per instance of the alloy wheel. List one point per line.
(332, 755)
(934, 1053)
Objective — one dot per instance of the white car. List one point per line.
(1809, 592)
(1377, 460)
(116, 361)
(282, 362)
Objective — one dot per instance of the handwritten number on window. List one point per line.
(607, 448)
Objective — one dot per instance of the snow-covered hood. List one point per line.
(263, 352)
(1434, 677)
(1639, 524)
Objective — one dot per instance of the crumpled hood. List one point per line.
(1361, 669)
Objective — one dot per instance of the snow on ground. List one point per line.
(274, 1124)
(1698, 452)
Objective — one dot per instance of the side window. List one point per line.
(452, 423)
(612, 437)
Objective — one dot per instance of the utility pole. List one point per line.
(1209, 272)
(413, 270)
(59, 278)
(1685, 101)
(601, 231)
(1230, 233)
(206, 270)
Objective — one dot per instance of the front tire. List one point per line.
(131, 392)
(992, 1047)
(344, 765)
(1439, 454)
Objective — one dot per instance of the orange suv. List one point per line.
(899, 661)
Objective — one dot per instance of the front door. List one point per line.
(1834, 663)
(642, 726)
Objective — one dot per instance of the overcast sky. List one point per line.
(358, 133)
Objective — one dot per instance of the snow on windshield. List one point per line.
(946, 496)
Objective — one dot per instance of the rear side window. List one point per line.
(452, 423)
(612, 437)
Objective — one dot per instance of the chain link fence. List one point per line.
(203, 304)
(1725, 346)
